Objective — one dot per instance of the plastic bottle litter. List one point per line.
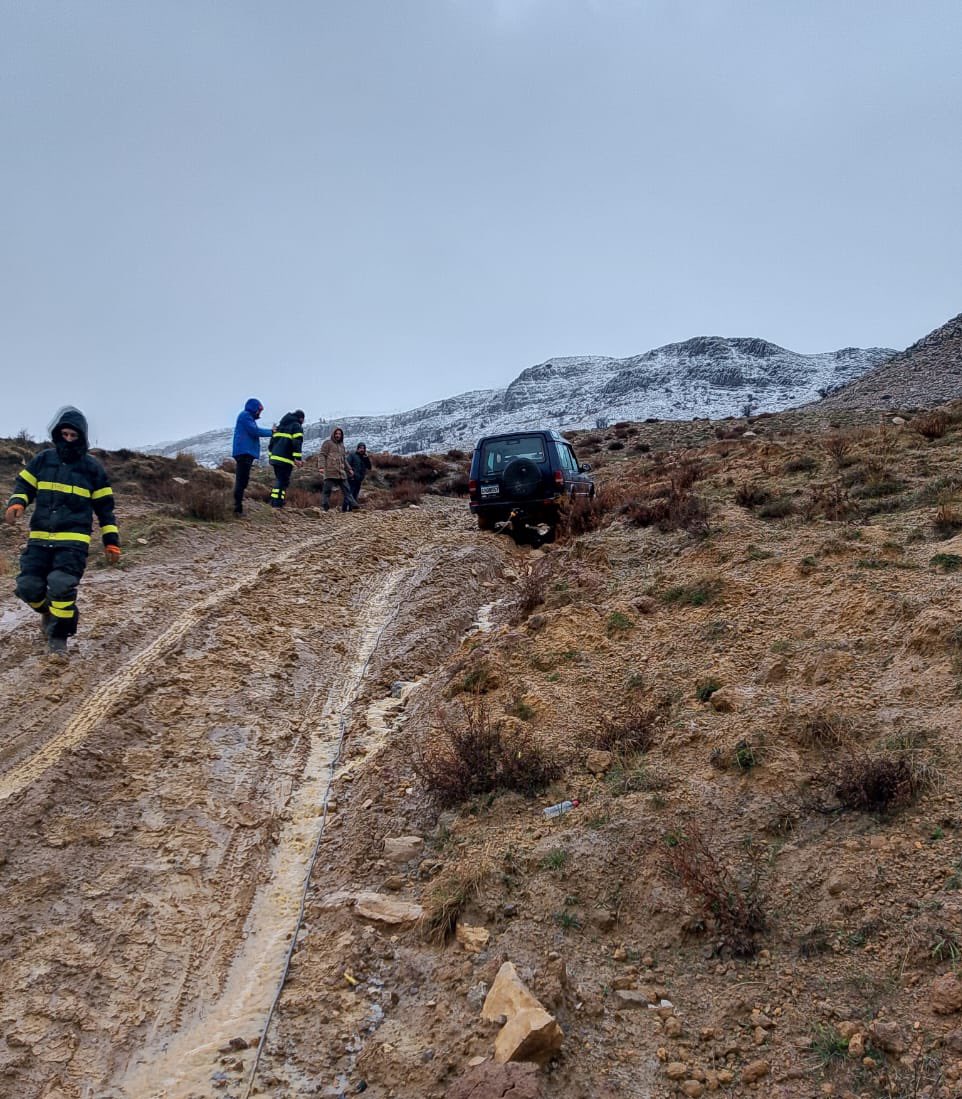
(561, 807)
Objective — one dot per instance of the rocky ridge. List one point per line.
(927, 373)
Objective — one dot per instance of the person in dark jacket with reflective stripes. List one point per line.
(68, 487)
(247, 448)
(285, 454)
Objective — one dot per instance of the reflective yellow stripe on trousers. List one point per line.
(60, 536)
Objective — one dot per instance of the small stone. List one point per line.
(473, 939)
(676, 1070)
(673, 1027)
(693, 1088)
(402, 848)
(945, 995)
(856, 1046)
(377, 906)
(755, 1071)
(723, 701)
(598, 761)
(889, 1037)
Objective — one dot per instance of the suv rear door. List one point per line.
(512, 467)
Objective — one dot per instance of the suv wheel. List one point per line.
(521, 478)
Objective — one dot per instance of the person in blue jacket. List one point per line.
(247, 448)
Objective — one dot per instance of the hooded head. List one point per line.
(362, 448)
(299, 415)
(74, 420)
(254, 407)
(337, 435)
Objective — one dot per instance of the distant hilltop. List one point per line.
(708, 376)
(927, 373)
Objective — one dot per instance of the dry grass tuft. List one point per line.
(931, 425)
(451, 895)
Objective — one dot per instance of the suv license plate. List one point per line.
(490, 490)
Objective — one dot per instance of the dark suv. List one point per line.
(525, 471)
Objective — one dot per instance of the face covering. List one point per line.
(69, 452)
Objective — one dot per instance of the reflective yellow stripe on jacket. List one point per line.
(60, 536)
(102, 492)
(28, 477)
(56, 486)
(278, 458)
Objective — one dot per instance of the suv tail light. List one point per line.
(559, 478)
(472, 488)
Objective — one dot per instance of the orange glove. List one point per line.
(113, 554)
(13, 513)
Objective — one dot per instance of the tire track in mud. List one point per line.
(180, 1063)
(105, 698)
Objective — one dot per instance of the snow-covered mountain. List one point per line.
(706, 376)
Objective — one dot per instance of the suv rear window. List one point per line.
(497, 453)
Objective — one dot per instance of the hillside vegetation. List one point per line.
(743, 658)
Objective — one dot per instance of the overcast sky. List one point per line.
(363, 205)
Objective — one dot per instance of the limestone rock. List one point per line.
(530, 1035)
(676, 1070)
(946, 994)
(378, 906)
(598, 761)
(755, 1071)
(724, 700)
(473, 939)
(491, 1081)
(508, 995)
(402, 848)
(631, 997)
(889, 1037)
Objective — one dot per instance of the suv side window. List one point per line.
(568, 458)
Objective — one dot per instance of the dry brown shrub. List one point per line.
(630, 732)
(406, 492)
(878, 783)
(467, 754)
(948, 520)
(732, 901)
(198, 499)
(830, 501)
(750, 494)
(838, 446)
(931, 425)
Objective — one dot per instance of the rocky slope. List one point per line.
(746, 664)
(707, 376)
(927, 373)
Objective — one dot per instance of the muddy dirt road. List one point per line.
(161, 793)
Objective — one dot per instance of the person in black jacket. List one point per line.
(359, 464)
(68, 488)
(285, 453)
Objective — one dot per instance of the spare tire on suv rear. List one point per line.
(521, 478)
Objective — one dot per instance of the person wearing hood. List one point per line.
(359, 465)
(68, 487)
(335, 471)
(285, 453)
(247, 448)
